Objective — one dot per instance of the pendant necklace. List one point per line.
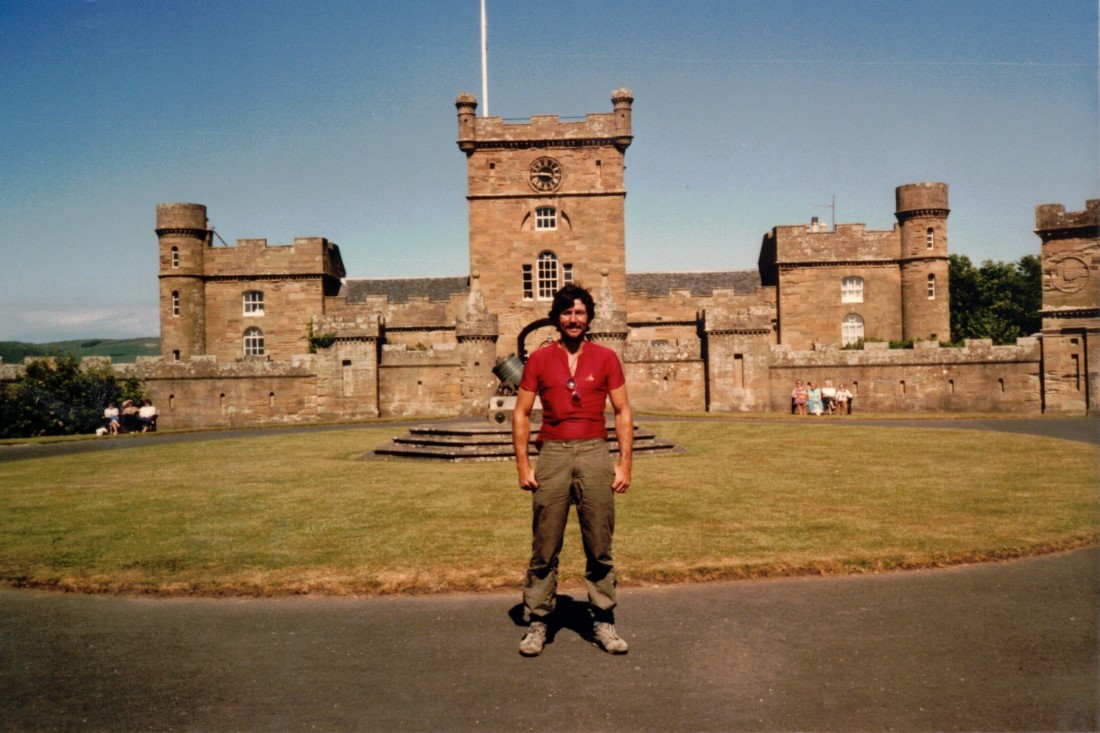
(572, 359)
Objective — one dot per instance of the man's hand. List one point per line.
(622, 480)
(527, 480)
(624, 434)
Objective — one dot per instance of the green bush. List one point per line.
(57, 397)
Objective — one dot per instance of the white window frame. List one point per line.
(931, 287)
(546, 275)
(175, 257)
(546, 219)
(930, 238)
(851, 329)
(566, 273)
(253, 302)
(175, 304)
(253, 342)
(851, 289)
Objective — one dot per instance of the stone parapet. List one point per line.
(635, 352)
(973, 351)
(1053, 220)
(348, 326)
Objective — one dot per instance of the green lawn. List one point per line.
(304, 513)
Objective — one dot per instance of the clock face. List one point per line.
(545, 174)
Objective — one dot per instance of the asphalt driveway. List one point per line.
(999, 647)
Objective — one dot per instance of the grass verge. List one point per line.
(300, 513)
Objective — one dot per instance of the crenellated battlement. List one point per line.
(1053, 221)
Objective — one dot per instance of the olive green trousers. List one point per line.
(572, 472)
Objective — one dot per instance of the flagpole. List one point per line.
(484, 65)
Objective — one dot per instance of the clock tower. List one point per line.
(546, 203)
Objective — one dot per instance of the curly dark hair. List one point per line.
(564, 298)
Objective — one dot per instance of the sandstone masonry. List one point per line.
(257, 333)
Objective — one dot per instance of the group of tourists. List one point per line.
(809, 399)
(130, 418)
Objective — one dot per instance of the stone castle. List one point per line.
(255, 333)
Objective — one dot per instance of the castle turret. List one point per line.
(466, 104)
(184, 235)
(623, 99)
(925, 300)
(1071, 307)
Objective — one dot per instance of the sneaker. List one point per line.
(607, 638)
(533, 641)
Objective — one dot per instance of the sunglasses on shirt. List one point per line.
(571, 385)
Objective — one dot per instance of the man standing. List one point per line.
(573, 378)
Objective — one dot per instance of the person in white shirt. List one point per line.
(147, 416)
(843, 401)
(828, 396)
(111, 415)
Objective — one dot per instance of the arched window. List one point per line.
(851, 289)
(253, 342)
(851, 329)
(546, 219)
(930, 238)
(547, 279)
(253, 302)
(175, 256)
(931, 287)
(175, 303)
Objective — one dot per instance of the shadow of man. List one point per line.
(568, 614)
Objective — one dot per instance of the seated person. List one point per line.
(111, 415)
(828, 396)
(147, 416)
(843, 400)
(128, 420)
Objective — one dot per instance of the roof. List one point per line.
(400, 290)
(699, 284)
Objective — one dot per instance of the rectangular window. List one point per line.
(546, 219)
(528, 283)
(567, 273)
(851, 290)
(931, 287)
(253, 303)
(175, 304)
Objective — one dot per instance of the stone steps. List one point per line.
(477, 441)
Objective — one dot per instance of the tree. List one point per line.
(58, 397)
(998, 301)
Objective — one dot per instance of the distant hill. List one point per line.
(121, 351)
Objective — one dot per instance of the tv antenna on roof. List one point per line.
(831, 205)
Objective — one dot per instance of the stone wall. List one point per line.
(665, 375)
(978, 377)
(811, 309)
(202, 392)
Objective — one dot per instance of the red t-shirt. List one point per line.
(598, 372)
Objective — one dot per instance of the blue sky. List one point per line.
(336, 118)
